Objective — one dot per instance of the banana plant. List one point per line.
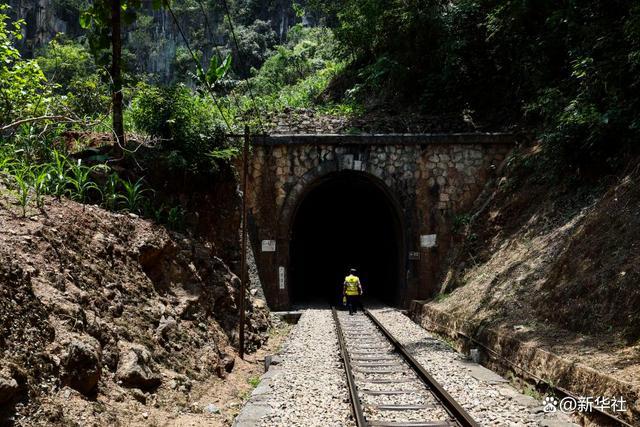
(216, 71)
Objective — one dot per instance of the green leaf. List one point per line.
(224, 68)
(212, 72)
(85, 19)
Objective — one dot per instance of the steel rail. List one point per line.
(453, 407)
(356, 407)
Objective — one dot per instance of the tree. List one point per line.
(105, 19)
(116, 70)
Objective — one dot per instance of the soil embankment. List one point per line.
(552, 262)
(103, 314)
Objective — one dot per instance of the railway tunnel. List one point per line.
(345, 220)
(318, 204)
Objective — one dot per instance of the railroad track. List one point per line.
(387, 387)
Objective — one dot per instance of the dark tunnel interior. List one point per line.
(346, 221)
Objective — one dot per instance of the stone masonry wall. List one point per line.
(428, 183)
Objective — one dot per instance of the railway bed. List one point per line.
(387, 387)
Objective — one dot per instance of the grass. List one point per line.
(441, 297)
(532, 392)
(254, 381)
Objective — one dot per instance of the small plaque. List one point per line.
(281, 277)
(413, 255)
(268, 246)
(427, 240)
(347, 161)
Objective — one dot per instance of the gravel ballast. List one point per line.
(488, 398)
(309, 386)
(359, 333)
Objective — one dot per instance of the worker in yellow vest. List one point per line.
(352, 289)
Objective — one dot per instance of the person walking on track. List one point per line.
(352, 289)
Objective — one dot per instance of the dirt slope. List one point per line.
(555, 262)
(100, 311)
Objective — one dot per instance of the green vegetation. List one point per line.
(441, 297)
(569, 68)
(190, 131)
(72, 75)
(22, 83)
(254, 381)
(299, 71)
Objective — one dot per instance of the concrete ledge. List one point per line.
(290, 317)
(257, 407)
(527, 360)
(387, 139)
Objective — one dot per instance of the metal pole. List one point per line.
(243, 259)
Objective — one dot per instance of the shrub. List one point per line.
(70, 68)
(189, 125)
(305, 53)
(23, 89)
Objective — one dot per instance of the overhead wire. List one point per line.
(198, 65)
(216, 47)
(235, 41)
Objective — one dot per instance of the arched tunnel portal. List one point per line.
(345, 220)
(385, 204)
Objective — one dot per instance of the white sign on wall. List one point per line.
(268, 246)
(414, 255)
(427, 240)
(281, 277)
(347, 161)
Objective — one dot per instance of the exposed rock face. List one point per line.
(137, 368)
(96, 301)
(155, 42)
(8, 389)
(81, 364)
(165, 327)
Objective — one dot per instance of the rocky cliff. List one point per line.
(153, 41)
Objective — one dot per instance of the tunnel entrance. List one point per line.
(345, 221)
